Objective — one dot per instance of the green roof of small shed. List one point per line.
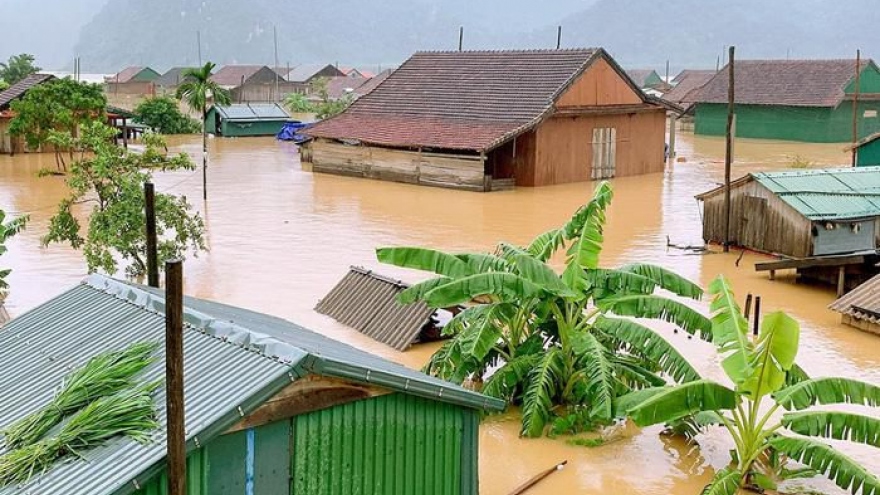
(827, 194)
(251, 112)
(235, 360)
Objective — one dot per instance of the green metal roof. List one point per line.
(252, 112)
(827, 194)
(234, 361)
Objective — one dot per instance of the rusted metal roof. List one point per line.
(471, 100)
(367, 302)
(808, 83)
(863, 303)
(18, 89)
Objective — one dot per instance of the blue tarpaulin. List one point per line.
(291, 132)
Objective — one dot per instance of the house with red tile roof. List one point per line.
(132, 81)
(686, 84)
(8, 143)
(489, 120)
(797, 100)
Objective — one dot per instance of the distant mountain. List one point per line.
(639, 33)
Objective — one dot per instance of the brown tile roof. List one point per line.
(371, 84)
(339, 86)
(808, 83)
(688, 81)
(125, 75)
(471, 100)
(18, 89)
(230, 75)
(863, 303)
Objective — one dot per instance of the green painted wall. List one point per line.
(394, 444)
(869, 154)
(242, 129)
(810, 124)
(869, 81)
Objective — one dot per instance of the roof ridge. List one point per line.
(224, 331)
(506, 50)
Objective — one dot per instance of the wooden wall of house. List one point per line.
(265, 92)
(458, 171)
(564, 147)
(759, 220)
(507, 160)
(600, 84)
(130, 88)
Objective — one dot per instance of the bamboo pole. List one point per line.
(152, 238)
(174, 406)
(538, 478)
(728, 155)
(855, 116)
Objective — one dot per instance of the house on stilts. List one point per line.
(489, 120)
(271, 408)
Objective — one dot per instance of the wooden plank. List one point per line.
(809, 262)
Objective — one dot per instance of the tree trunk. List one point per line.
(204, 153)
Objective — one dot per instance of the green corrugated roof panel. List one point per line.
(252, 112)
(234, 361)
(827, 194)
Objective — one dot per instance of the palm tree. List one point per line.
(766, 382)
(196, 89)
(562, 346)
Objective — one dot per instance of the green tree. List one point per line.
(112, 179)
(766, 381)
(7, 231)
(299, 103)
(196, 90)
(562, 346)
(162, 114)
(58, 105)
(328, 107)
(3, 85)
(17, 68)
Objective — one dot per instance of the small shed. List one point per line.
(796, 100)
(799, 213)
(367, 302)
(246, 119)
(132, 81)
(867, 151)
(9, 144)
(271, 408)
(489, 120)
(861, 307)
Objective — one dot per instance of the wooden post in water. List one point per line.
(841, 281)
(176, 455)
(855, 115)
(757, 324)
(728, 154)
(152, 238)
(748, 305)
(673, 121)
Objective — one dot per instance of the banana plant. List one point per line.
(7, 231)
(769, 412)
(556, 344)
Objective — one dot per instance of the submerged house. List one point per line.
(686, 85)
(132, 81)
(170, 80)
(797, 100)
(8, 143)
(306, 74)
(255, 83)
(647, 79)
(799, 214)
(489, 120)
(271, 408)
(861, 307)
(867, 151)
(246, 119)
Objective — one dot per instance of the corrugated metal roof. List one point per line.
(234, 361)
(863, 303)
(368, 303)
(253, 111)
(827, 194)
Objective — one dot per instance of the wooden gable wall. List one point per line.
(600, 84)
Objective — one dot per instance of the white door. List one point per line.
(604, 152)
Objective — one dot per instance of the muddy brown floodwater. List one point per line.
(281, 237)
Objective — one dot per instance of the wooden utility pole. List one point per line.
(176, 455)
(152, 238)
(728, 153)
(855, 115)
(559, 37)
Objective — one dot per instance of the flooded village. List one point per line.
(401, 279)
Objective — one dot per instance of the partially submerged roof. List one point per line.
(471, 100)
(340, 86)
(252, 112)
(821, 194)
(863, 303)
(643, 77)
(134, 74)
(173, 77)
(235, 360)
(809, 83)
(19, 89)
(367, 302)
(687, 83)
(306, 72)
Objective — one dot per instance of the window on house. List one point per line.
(604, 152)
